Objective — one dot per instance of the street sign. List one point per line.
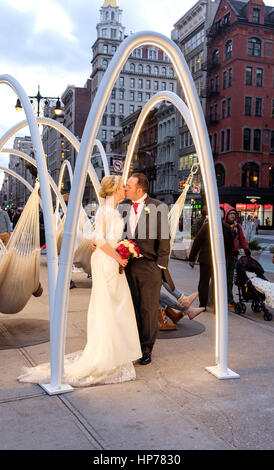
(196, 188)
(117, 165)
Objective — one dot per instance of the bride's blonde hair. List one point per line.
(109, 185)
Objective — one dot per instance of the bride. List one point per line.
(112, 335)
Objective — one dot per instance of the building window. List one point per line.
(215, 143)
(156, 85)
(104, 63)
(140, 68)
(121, 108)
(273, 108)
(147, 96)
(256, 15)
(229, 77)
(164, 71)
(148, 69)
(217, 83)
(259, 77)
(113, 33)
(220, 174)
(112, 107)
(148, 84)
(112, 120)
(228, 107)
(131, 95)
(222, 141)
(132, 67)
(228, 139)
(171, 86)
(215, 57)
(122, 81)
(257, 140)
(246, 139)
(113, 94)
(104, 32)
(212, 85)
(113, 49)
(223, 109)
(132, 82)
(250, 175)
(163, 86)
(215, 117)
(254, 47)
(140, 96)
(156, 70)
(224, 79)
(171, 72)
(105, 48)
(272, 142)
(227, 19)
(131, 108)
(248, 105)
(140, 83)
(258, 107)
(228, 49)
(248, 75)
(104, 120)
(112, 133)
(104, 134)
(121, 95)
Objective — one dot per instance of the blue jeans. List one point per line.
(166, 300)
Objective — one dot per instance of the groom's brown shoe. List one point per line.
(145, 359)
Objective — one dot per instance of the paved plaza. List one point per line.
(174, 403)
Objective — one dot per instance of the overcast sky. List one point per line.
(48, 42)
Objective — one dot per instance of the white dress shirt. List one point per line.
(134, 218)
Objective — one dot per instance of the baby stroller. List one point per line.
(246, 291)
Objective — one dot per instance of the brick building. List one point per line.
(240, 105)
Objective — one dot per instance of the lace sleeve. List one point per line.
(100, 227)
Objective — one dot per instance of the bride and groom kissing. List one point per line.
(122, 319)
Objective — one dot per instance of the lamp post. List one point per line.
(43, 100)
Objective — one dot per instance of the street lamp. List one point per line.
(43, 100)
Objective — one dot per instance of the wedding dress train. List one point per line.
(112, 334)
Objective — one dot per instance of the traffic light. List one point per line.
(181, 185)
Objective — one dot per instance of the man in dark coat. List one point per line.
(146, 223)
(201, 246)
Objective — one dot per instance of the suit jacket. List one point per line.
(152, 232)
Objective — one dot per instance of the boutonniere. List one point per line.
(147, 210)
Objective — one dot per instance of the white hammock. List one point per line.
(175, 212)
(20, 259)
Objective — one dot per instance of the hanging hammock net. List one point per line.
(20, 259)
(175, 212)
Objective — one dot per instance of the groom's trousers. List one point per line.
(145, 281)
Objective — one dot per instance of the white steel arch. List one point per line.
(18, 177)
(31, 160)
(207, 169)
(63, 131)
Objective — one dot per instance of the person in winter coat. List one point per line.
(201, 246)
(232, 220)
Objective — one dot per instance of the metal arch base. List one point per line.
(56, 390)
(222, 375)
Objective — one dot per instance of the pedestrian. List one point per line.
(232, 220)
(5, 226)
(202, 247)
(256, 223)
(16, 216)
(199, 221)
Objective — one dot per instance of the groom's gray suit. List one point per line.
(145, 275)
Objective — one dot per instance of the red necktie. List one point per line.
(135, 206)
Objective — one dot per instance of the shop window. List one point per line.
(250, 175)
(220, 174)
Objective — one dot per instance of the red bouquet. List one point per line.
(127, 249)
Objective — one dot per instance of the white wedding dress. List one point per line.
(112, 335)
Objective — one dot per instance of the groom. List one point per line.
(146, 223)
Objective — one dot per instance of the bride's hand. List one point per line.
(123, 262)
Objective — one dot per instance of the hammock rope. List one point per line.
(20, 259)
(175, 212)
